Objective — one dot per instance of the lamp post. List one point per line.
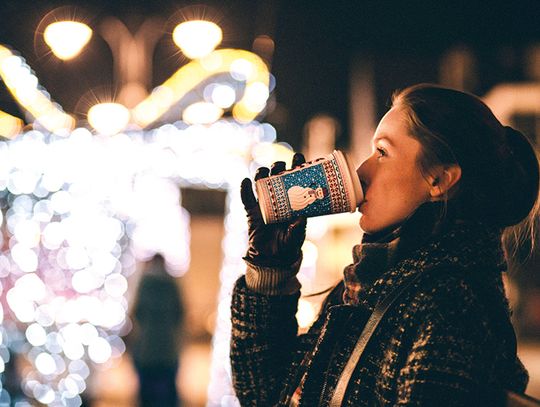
(132, 55)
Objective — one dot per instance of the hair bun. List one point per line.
(521, 178)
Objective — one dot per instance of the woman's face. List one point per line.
(393, 183)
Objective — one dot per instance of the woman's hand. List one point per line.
(277, 244)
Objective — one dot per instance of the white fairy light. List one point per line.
(45, 363)
(98, 205)
(241, 69)
(99, 350)
(36, 334)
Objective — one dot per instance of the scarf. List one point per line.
(431, 236)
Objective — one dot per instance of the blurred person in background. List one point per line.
(155, 340)
(444, 183)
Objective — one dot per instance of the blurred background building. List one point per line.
(134, 140)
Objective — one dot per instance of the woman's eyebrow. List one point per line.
(385, 139)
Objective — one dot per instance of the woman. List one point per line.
(443, 182)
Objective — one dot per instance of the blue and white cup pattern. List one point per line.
(321, 187)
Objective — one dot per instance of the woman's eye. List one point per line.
(381, 152)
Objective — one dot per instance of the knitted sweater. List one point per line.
(441, 344)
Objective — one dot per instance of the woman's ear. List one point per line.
(443, 180)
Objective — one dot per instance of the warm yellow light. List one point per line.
(10, 125)
(197, 38)
(254, 101)
(67, 38)
(108, 118)
(197, 72)
(267, 153)
(201, 113)
(256, 95)
(305, 314)
(56, 121)
(24, 87)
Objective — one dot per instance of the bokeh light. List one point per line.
(222, 95)
(24, 87)
(202, 113)
(10, 126)
(80, 212)
(108, 118)
(67, 38)
(197, 38)
(306, 313)
(243, 68)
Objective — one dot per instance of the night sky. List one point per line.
(315, 42)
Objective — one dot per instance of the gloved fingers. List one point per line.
(247, 195)
(277, 167)
(298, 160)
(300, 222)
(262, 172)
(297, 230)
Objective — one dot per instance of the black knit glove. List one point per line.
(277, 244)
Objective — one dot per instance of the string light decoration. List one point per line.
(81, 209)
(25, 88)
(79, 212)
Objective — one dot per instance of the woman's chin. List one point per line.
(364, 224)
(370, 227)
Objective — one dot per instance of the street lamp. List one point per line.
(132, 52)
(66, 39)
(132, 59)
(197, 38)
(108, 118)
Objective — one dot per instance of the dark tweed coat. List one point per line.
(443, 344)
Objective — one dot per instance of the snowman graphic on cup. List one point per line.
(301, 197)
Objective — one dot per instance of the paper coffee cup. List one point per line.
(321, 187)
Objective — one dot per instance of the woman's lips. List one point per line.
(363, 184)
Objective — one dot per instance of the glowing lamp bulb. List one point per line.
(108, 118)
(197, 38)
(67, 38)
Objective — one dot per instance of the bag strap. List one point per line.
(512, 398)
(520, 400)
(365, 336)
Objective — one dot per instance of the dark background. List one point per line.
(314, 44)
